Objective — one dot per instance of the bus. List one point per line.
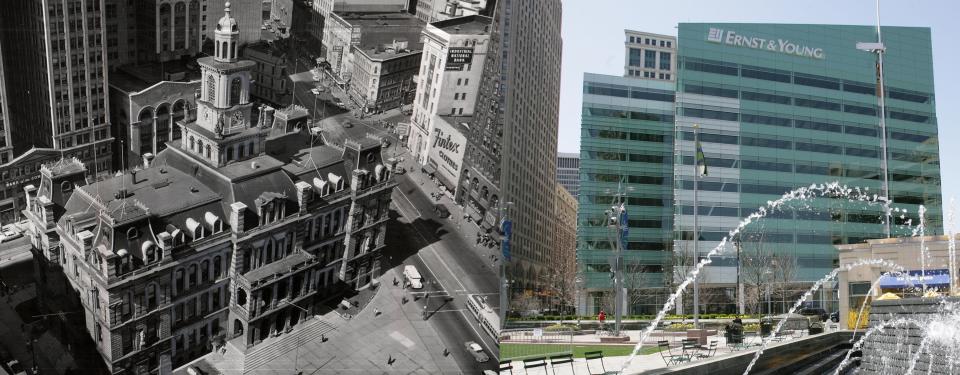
(413, 277)
(488, 319)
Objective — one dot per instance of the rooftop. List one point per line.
(468, 25)
(368, 19)
(281, 266)
(337, 129)
(213, 63)
(134, 78)
(150, 191)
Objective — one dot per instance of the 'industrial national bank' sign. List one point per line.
(773, 45)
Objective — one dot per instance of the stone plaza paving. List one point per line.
(397, 341)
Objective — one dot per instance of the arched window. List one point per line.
(250, 148)
(199, 146)
(216, 267)
(193, 143)
(218, 47)
(208, 151)
(211, 88)
(204, 271)
(223, 51)
(192, 276)
(235, 91)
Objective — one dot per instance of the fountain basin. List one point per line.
(788, 357)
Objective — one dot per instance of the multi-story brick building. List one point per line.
(238, 231)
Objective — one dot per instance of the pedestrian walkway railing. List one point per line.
(526, 343)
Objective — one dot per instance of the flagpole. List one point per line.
(883, 129)
(696, 228)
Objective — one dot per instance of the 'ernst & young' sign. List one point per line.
(773, 45)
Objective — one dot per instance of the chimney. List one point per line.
(303, 194)
(29, 190)
(267, 118)
(357, 179)
(236, 216)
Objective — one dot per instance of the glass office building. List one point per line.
(626, 141)
(784, 106)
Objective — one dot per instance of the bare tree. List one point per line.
(684, 261)
(755, 268)
(637, 281)
(784, 268)
(561, 281)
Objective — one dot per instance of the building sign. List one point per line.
(784, 46)
(447, 147)
(457, 57)
(916, 278)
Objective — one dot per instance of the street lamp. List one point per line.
(879, 49)
(506, 225)
(768, 274)
(617, 223)
(296, 363)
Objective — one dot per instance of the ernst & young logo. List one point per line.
(785, 46)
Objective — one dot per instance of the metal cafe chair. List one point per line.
(505, 365)
(595, 355)
(689, 349)
(561, 360)
(709, 350)
(667, 354)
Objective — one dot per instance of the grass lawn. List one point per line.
(516, 350)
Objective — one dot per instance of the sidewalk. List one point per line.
(397, 340)
(52, 358)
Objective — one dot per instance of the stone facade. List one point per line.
(239, 232)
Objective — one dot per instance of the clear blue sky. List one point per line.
(593, 42)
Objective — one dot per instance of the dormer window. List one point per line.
(150, 252)
(195, 229)
(213, 222)
(66, 187)
(133, 233)
(335, 181)
(322, 186)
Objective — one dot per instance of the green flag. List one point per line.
(701, 161)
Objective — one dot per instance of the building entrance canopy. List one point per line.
(938, 277)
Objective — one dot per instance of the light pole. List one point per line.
(506, 228)
(879, 49)
(296, 363)
(617, 222)
(768, 273)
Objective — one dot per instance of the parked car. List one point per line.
(315, 91)
(442, 211)
(477, 351)
(816, 311)
(14, 367)
(9, 232)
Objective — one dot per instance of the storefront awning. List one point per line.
(937, 277)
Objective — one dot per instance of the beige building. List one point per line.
(856, 285)
(650, 56)
(565, 214)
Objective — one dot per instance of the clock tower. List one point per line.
(223, 131)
